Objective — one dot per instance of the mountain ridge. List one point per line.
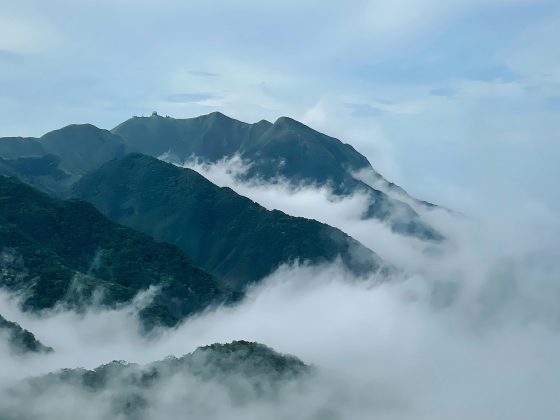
(286, 149)
(65, 251)
(21, 340)
(227, 234)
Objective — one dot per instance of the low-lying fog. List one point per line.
(471, 330)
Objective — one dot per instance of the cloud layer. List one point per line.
(471, 331)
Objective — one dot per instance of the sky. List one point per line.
(456, 101)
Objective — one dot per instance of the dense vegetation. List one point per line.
(225, 233)
(67, 252)
(20, 340)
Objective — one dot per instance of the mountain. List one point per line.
(55, 161)
(65, 252)
(286, 150)
(20, 340)
(42, 172)
(219, 376)
(84, 147)
(227, 234)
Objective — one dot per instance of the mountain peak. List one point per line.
(217, 116)
(288, 121)
(72, 128)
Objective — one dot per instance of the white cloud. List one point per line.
(385, 351)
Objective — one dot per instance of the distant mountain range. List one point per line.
(286, 150)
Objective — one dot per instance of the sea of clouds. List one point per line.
(469, 330)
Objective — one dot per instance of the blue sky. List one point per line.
(457, 101)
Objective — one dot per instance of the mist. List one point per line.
(481, 238)
(470, 330)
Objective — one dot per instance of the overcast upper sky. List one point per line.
(456, 100)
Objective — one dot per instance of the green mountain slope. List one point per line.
(20, 340)
(55, 161)
(225, 233)
(55, 251)
(286, 149)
